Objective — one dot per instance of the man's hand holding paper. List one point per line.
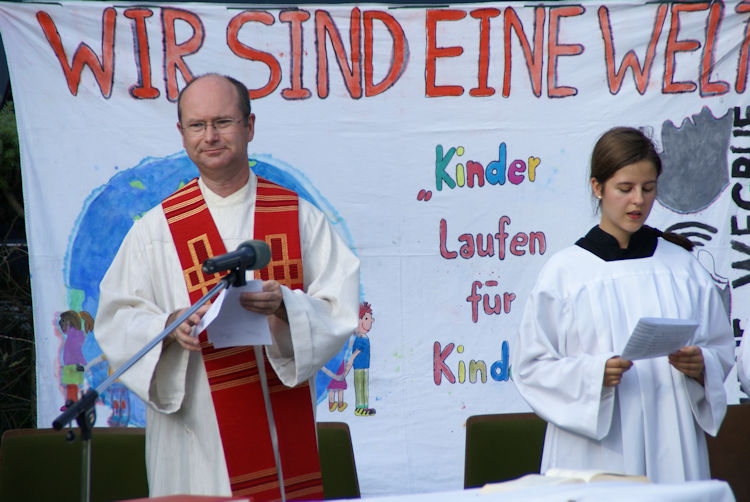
(185, 333)
(230, 324)
(267, 300)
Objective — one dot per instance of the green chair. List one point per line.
(502, 447)
(40, 464)
(728, 451)
(337, 466)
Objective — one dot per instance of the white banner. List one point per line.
(448, 145)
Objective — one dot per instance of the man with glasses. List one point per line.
(235, 421)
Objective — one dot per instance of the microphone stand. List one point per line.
(83, 410)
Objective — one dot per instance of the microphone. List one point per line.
(251, 255)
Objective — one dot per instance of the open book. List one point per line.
(593, 475)
(558, 477)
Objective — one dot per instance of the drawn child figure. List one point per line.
(73, 360)
(337, 385)
(117, 396)
(360, 360)
(120, 405)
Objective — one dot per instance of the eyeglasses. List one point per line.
(219, 125)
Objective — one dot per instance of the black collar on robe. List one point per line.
(642, 244)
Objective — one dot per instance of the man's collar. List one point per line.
(245, 191)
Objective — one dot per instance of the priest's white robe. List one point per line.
(144, 284)
(579, 314)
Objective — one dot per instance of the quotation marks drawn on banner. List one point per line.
(424, 195)
(473, 174)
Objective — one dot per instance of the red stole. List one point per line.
(233, 375)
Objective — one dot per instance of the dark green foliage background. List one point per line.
(17, 368)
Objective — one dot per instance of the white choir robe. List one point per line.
(581, 313)
(145, 284)
(743, 362)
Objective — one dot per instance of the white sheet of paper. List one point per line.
(656, 336)
(230, 325)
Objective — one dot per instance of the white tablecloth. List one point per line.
(608, 491)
